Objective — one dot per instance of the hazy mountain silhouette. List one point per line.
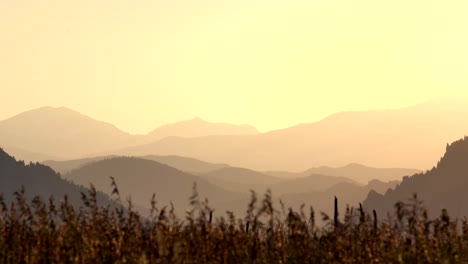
(363, 174)
(403, 138)
(348, 193)
(444, 186)
(354, 171)
(189, 165)
(241, 175)
(313, 182)
(185, 164)
(241, 179)
(140, 178)
(60, 132)
(199, 128)
(229, 178)
(38, 179)
(50, 133)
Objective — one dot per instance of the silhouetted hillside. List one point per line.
(38, 179)
(140, 178)
(403, 138)
(444, 186)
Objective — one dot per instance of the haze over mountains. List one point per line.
(348, 194)
(227, 189)
(141, 178)
(61, 133)
(401, 138)
(243, 179)
(363, 174)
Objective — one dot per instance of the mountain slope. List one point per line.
(140, 178)
(442, 187)
(403, 138)
(38, 179)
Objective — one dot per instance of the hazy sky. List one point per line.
(268, 63)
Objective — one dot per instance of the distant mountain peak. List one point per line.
(49, 112)
(60, 132)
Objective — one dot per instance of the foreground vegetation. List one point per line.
(49, 232)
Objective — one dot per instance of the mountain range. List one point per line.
(243, 179)
(227, 188)
(398, 138)
(363, 174)
(139, 179)
(61, 133)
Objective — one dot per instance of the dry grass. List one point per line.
(45, 232)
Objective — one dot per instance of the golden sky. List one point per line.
(271, 63)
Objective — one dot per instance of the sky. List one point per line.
(268, 63)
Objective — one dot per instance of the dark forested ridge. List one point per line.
(443, 187)
(38, 180)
